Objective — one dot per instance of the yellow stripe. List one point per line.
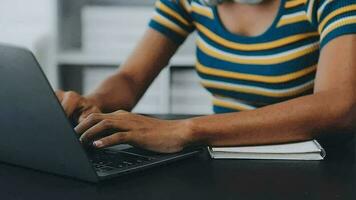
(229, 105)
(170, 25)
(298, 18)
(294, 3)
(257, 92)
(319, 12)
(171, 12)
(254, 47)
(258, 78)
(185, 6)
(266, 61)
(202, 11)
(338, 25)
(310, 10)
(335, 13)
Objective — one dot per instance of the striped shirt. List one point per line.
(245, 73)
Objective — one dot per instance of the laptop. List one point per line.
(36, 133)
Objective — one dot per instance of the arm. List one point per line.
(132, 80)
(169, 27)
(330, 110)
(136, 74)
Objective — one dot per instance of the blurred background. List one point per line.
(80, 42)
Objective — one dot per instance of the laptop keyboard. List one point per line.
(108, 160)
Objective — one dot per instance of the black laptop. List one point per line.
(36, 133)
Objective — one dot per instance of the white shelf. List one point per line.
(182, 61)
(76, 58)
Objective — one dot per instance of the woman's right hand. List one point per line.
(76, 106)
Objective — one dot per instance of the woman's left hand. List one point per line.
(149, 133)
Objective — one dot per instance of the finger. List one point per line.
(98, 128)
(121, 112)
(114, 139)
(87, 112)
(90, 121)
(70, 103)
(59, 94)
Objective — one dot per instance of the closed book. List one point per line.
(308, 150)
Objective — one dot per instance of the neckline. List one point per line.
(237, 36)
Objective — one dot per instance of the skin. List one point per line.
(330, 110)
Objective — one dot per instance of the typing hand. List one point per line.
(76, 106)
(149, 133)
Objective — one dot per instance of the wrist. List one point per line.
(192, 135)
(95, 100)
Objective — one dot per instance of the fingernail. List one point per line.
(98, 144)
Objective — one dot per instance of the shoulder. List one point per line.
(180, 5)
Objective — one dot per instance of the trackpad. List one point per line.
(120, 147)
(134, 150)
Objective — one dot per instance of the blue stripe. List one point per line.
(292, 10)
(252, 97)
(167, 32)
(219, 109)
(284, 85)
(281, 49)
(174, 20)
(338, 17)
(344, 30)
(268, 70)
(300, 27)
(177, 7)
(334, 5)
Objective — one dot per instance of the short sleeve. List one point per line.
(335, 18)
(172, 18)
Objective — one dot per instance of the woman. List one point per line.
(279, 71)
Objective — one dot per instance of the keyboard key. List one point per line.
(106, 169)
(108, 160)
(128, 163)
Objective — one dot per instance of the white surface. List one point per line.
(31, 24)
(256, 156)
(111, 33)
(93, 58)
(299, 147)
(153, 102)
(187, 95)
(113, 29)
(309, 150)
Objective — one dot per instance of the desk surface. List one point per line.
(199, 178)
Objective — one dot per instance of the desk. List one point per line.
(199, 177)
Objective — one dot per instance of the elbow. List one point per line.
(340, 124)
(344, 119)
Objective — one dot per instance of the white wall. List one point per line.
(31, 23)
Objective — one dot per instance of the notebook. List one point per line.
(308, 150)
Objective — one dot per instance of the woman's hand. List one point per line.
(149, 133)
(76, 106)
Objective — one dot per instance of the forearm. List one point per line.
(295, 120)
(116, 92)
(124, 89)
